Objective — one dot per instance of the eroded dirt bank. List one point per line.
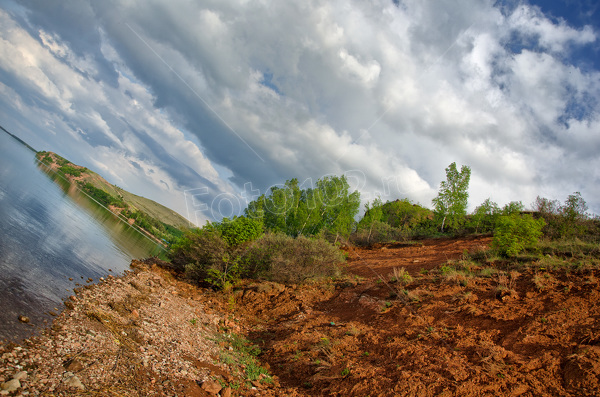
(439, 332)
(443, 333)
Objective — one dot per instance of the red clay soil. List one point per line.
(526, 333)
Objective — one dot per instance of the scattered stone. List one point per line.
(72, 380)
(21, 375)
(73, 365)
(11, 385)
(226, 392)
(24, 319)
(211, 387)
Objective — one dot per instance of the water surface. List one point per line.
(50, 233)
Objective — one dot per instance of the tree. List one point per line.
(329, 206)
(485, 216)
(373, 214)
(451, 202)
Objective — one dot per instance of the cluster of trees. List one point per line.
(288, 214)
(328, 208)
(282, 236)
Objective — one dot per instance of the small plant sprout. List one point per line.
(402, 276)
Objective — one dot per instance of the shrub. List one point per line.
(204, 256)
(377, 232)
(279, 257)
(70, 170)
(238, 230)
(515, 232)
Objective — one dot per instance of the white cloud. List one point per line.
(317, 87)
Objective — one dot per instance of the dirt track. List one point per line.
(437, 336)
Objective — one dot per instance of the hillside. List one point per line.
(153, 218)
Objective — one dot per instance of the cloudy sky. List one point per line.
(201, 105)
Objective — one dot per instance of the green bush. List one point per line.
(282, 258)
(378, 232)
(205, 256)
(515, 232)
(101, 196)
(238, 230)
(70, 170)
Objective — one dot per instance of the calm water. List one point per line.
(49, 232)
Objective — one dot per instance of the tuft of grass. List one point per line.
(401, 276)
(244, 357)
(488, 272)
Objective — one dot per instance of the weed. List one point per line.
(488, 272)
(243, 355)
(345, 372)
(538, 281)
(193, 321)
(402, 276)
(353, 331)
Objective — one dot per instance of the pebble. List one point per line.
(11, 385)
(72, 380)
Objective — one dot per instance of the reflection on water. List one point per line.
(52, 237)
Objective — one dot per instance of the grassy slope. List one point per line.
(146, 205)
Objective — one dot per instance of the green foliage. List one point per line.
(282, 258)
(161, 230)
(328, 207)
(70, 170)
(393, 221)
(238, 230)
(46, 159)
(206, 257)
(101, 196)
(404, 214)
(373, 216)
(378, 232)
(569, 220)
(451, 203)
(484, 217)
(513, 208)
(515, 232)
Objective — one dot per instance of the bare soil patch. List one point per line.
(439, 335)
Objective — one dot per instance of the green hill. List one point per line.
(153, 218)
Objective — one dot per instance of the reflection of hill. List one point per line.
(154, 219)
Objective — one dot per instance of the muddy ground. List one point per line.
(444, 327)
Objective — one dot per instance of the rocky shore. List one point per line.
(143, 334)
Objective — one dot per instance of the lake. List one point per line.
(52, 239)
